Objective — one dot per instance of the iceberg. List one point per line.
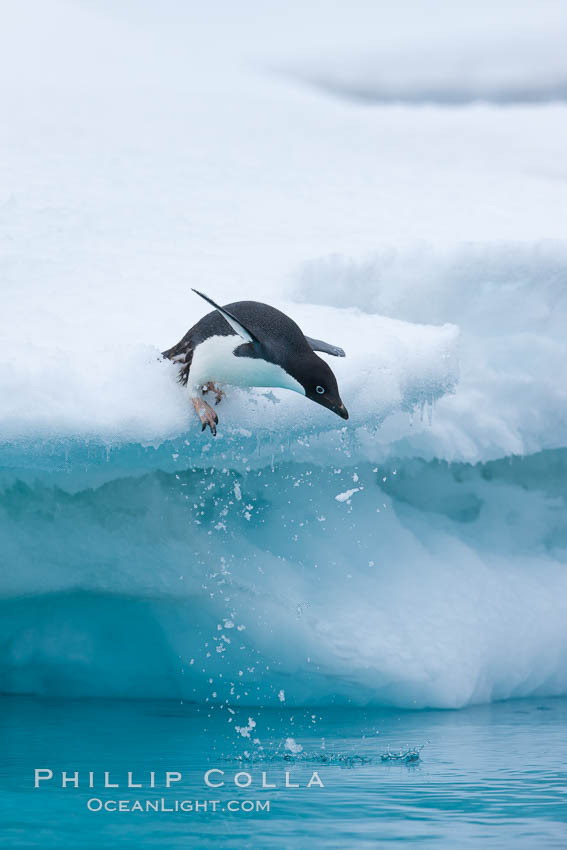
(286, 555)
(412, 557)
(138, 573)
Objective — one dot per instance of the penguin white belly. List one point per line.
(214, 360)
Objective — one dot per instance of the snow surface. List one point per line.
(393, 177)
(145, 153)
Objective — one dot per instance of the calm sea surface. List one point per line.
(493, 776)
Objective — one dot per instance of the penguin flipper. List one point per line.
(234, 323)
(319, 345)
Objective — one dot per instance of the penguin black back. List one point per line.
(280, 335)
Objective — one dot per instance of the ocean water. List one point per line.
(494, 775)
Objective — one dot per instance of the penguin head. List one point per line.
(320, 385)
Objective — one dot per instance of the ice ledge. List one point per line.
(125, 394)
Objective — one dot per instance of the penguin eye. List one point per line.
(319, 389)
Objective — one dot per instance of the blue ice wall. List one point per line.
(405, 582)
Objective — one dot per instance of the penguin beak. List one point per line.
(338, 408)
(334, 405)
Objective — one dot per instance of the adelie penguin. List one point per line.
(250, 344)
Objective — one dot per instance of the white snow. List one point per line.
(344, 497)
(245, 730)
(193, 163)
(292, 746)
(438, 51)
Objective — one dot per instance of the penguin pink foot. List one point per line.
(206, 414)
(210, 387)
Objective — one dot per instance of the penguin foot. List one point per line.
(206, 414)
(210, 387)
